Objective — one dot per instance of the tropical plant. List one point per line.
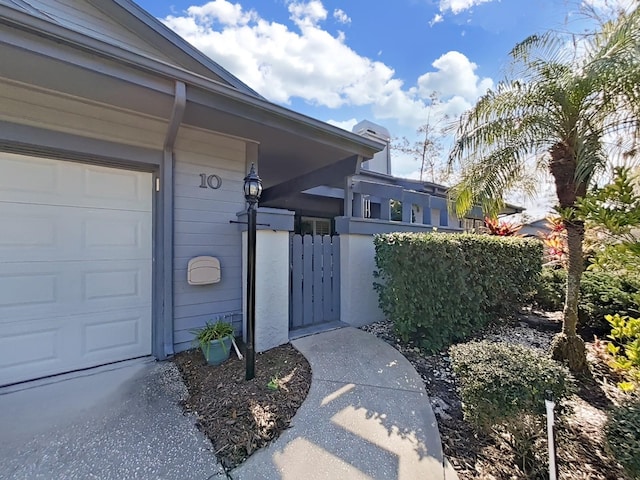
(502, 228)
(561, 105)
(612, 214)
(555, 242)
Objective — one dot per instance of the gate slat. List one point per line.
(327, 267)
(317, 279)
(307, 280)
(335, 278)
(296, 282)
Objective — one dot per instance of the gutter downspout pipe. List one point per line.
(167, 182)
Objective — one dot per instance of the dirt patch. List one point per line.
(241, 416)
(580, 443)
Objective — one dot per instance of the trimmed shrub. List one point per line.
(601, 293)
(623, 436)
(439, 288)
(499, 381)
(503, 387)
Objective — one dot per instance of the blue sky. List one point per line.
(345, 61)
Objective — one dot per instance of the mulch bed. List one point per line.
(242, 416)
(579, 437)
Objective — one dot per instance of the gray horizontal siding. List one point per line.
(81, 17)
(202, 227)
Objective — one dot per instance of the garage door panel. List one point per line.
(33, 349)
(122, 333)
(71, 233)
(38, 177)
(53, 182)
(75, 266)
(36, 289)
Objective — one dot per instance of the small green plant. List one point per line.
(623, 436)
(625, 347)
(210, 332)
(503, 387)
(274, 383)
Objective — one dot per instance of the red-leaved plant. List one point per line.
(501, 228)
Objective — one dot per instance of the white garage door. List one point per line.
(75, 266)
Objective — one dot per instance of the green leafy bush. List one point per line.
(439, 288)
(623, 436)
(601, 293)
(551, 289)
(503, 391)
(625, 347)
(498, 381)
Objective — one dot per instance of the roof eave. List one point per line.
(26, 22)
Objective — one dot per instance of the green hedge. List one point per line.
(601, 293)
(440, 288)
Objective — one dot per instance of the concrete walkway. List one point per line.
(116, 422)
(367, 416)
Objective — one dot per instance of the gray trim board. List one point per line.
(165, 325)
(274, 219)
(377, 189)
(371, 226)
(37, 141)
(322, 176)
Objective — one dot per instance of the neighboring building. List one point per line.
(377, 194)
(539, 228)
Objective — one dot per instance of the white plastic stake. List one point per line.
(550, 405)
(236, 348)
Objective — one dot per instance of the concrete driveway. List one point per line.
(117, 422)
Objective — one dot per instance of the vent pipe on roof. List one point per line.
(381, 161)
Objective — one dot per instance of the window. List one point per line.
(315, 226)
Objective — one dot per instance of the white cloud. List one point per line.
(341, 16)
(437, 18)
(221, 11)
(307, 14)
(455, 76)
(307, 62)
(345, 125)
(457, 6)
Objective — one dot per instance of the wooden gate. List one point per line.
(315, 280)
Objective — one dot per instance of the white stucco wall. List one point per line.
(358, 299)
(272, 288)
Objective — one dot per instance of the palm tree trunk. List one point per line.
(568, 346)
(575, 236)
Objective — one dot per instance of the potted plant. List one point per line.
(214, 340)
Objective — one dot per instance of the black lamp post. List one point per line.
(252, 191)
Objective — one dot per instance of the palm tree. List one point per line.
(565, 102)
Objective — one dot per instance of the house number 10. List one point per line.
(210, 181)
